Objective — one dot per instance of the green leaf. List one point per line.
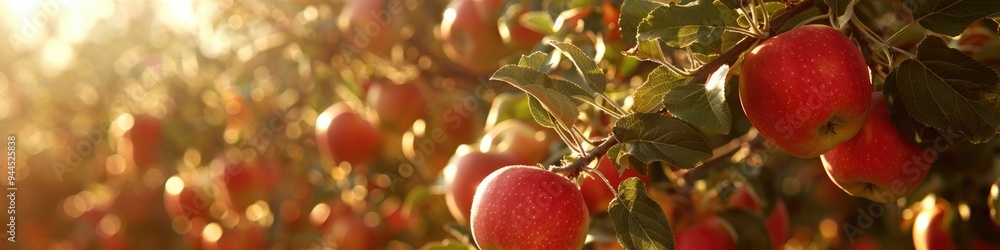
(534, 60)
(771, 7)
(539, 21)
(948, 90)
(632, 13)
(680, 26)
(841, 11)
(594, 76)
(950, 17)
(639, 221)
(702, 105)
(553, 95)
(648, 50)
(748, 227)
(653, 137)
(801, 17)
(648, 98)
(538, 112)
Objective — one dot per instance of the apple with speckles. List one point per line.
(522, 207)
(878, 163)
(806, 90)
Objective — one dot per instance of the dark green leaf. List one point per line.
(771, 7)
(950, 17)
(553, 95)
(948, 90)
(654, 137)
(594, 76)
(539, 21)
(538, 112)
(801, 17)
(648, 97)
(702, 104)
(632, 13)
(748, 227)
(639, 221)
(680, 26)
(648, 50)
(534, 60)
(842, 10)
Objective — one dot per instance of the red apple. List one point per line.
(613, 34)
(397, 105)
(522, 207)
(372, 25)
(463, 175)
(146, 134)
(471, 35)
(248, 182)
(596, 193)
(931, 230)
(515, 34)
(344, 136)
(776, 221)
(878, 163)
(518, 139)
(710, 234)
(806, 90)
(186, 199)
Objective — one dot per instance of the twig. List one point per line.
(573, 168)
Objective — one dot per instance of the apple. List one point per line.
(248, 182)
(471, 36)
(865, 243)
(519, 139)
(522, 207)
(397, 105)
(372, 25)
(146, 134)
(878, 163)
(344, 136)
(611, 15)
(931, 230)
(596, 193)
(776, 221)
(806, 90)
(463, 175)
(186, 199)
(514, 33)
(342, 227)
(709, 234)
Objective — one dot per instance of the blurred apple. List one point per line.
(241, 237)
(146, 134)
(710, 234)
(610, 17)
(596, 192)
(397, 105)
(372, 25)
(932, 228)
(463, 175)
(519, 139)
(344, 136)
(187, 199)
(471, 37)
(248, 182)
(776, 221)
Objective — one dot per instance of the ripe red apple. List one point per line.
(519, 139)
(806, 90)
(471, 35)
(397, 105)
(596, 193)
(345, 136)
(146, 134)
(931, 230)
(248, 182)
(372, 25)
(776, 221)
(463, 175)
(522, 207)
(709, 234)
(878, 163)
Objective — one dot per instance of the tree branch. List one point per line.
(573, 168)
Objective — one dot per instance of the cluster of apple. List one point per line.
(808, 92)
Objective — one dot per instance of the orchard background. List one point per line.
(251, 124)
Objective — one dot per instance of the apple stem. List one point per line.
(574, 168)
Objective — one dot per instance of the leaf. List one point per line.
(648, 98)
(649, 50)
(680, 26)
(639, 221)
(771, 7)
(594, 76)
(748, 227)
(539, 21)
(950, 17)
(653, 137)
(801, 17)
(842, 11)
(553, 95)
(947, 90)
(632, 13)
(534, 60)
(702, 105)
(538, 112)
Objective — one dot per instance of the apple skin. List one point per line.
(371, 25)
(776, 221)
(472, 37)
(519, 139)
(710, 234)
(397, 105)
(344, 136)
(596, 193)
(931, 229)
(463, 175)
(146, 134)
(806, 90)
(878, 163)
(522, 207)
